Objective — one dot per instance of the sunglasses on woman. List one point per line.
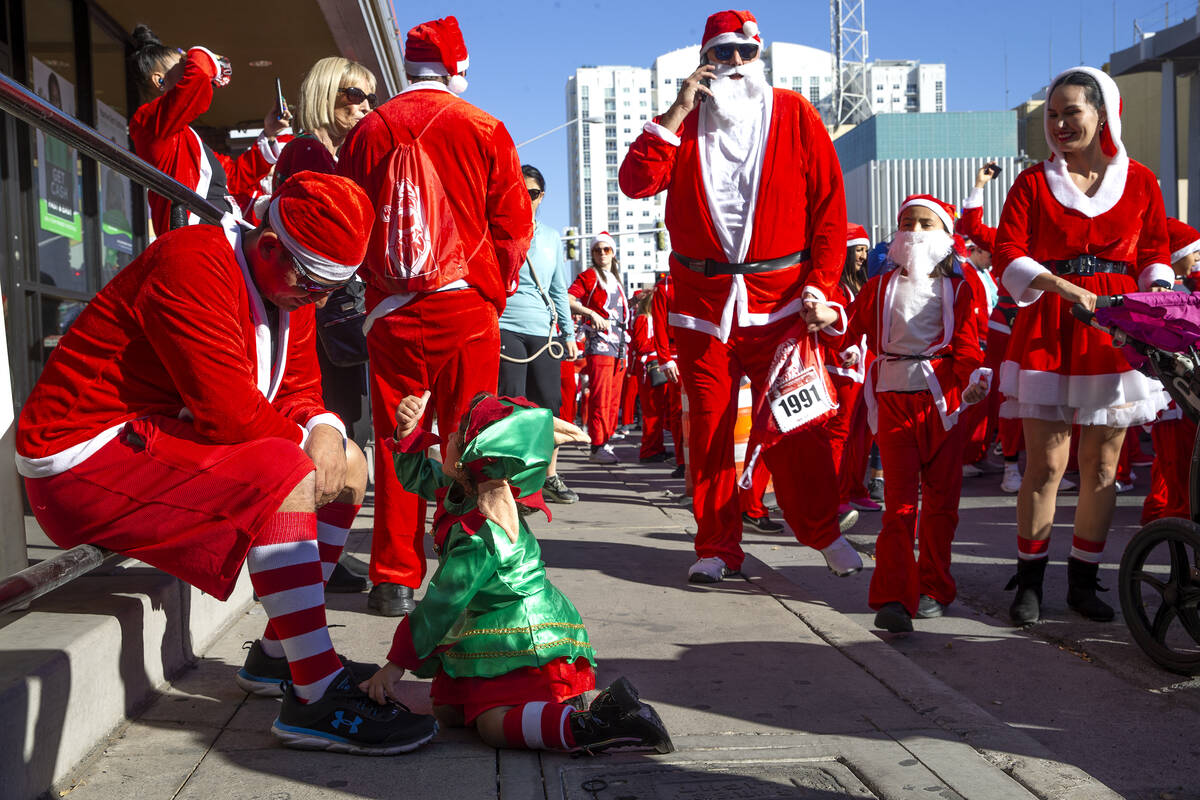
(305, 281)
(356, 95)
(724, 52)
(534, 194)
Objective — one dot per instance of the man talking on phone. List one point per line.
(757, 218)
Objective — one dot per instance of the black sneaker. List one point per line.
(555, 490)
(875, 489)
(617, 718)
(657, 458)
(347, 720)
(264, 675)
(679, 471)
(343, 581)
(763, 524)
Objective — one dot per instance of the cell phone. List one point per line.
(705, 82)
(281, 107)
(993, 169)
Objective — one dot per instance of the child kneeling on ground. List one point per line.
(505, 648)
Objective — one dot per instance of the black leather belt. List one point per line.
(1087, 265)
(710, 268)
(915, 356)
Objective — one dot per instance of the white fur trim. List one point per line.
(694, 324)
(1017, 276)
(422, 69)
(981, 374)
(1155, 272)
(603, 238)
(394, 302)
(1112, 186)
(857, 242)
(654, 129)
(321, 266)
(63, 460)
(1121, 399)
(750, 28)
(205, 179)
(1186, 250)
(327, 418)
(670, 363)
(415, 86)
(457, 84)
(731, 37)
(974, 199)
(212, 57)
(268, 376)
(270, 149)
(932, 206)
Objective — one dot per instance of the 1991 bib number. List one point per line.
(803, 401)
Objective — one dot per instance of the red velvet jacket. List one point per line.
(660, 310)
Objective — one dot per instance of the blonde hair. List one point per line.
(319, 90)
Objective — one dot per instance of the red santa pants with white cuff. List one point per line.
(448, 343)
(606, 378)
(1170, 481)
(919, 455)
(801, 463)
(654, 402)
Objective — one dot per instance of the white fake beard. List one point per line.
(735, 101)
(919, 252)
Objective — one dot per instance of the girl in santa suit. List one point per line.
(921, 321)
(177, 87)
(597, 296)
(1174, 434)
(1088, 221)
(653, 398)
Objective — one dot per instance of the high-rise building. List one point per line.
(906, 86)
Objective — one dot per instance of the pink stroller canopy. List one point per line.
(1166, 320)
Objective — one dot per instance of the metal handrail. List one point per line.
(18, 590)
(28, 107)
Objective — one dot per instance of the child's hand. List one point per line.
(975, 392)
(384, 685)
(409, 414)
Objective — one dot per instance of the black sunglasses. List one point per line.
(305, 280)
(534, 194)
(356, 95)
(724, 52)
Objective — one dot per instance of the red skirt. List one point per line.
(553, 683)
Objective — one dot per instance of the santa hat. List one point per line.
(437, 48)
(856, 234)
(730, 27)
(604, 238)
(1184, 238)
(1110, 134)
(960, 246)
(945, 212)
(324, 221)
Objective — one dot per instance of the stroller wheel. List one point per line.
(1160, 593)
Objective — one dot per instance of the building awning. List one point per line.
(1179, 42)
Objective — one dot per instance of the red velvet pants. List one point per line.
(570, 388)
(606, 375)
(920, 459)
(1170, 481)
(447, 342)
(674, 417)
(801, 463)
(629, 397)
(852, 470)
(654, 405)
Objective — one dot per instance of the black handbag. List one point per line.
(655, 375)
(340, 325)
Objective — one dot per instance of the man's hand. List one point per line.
(273, 124)
(409, 414)
(327, 450)
(975, 393)
(818, 315)
(686, 100)
(671, 370)
(984, 175)
(384, 686)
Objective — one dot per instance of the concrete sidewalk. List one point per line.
(768, 691)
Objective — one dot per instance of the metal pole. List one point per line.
(33, 582)
(28, 107)
(1168, 171)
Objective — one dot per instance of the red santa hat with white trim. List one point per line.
(437, 48)
(730, 27)
(324, 221)
(945, 212)
(604, 238)
(1184, 240)
(1110, 134)
(856, 234)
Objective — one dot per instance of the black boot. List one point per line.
(1083, 583)
(617, 718)
(1026, 607)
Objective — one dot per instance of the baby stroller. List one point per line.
(1159, 579)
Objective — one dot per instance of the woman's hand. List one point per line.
(1076, 294)
(572, 349)
(409, 414)
(600, 323)
(384, 686)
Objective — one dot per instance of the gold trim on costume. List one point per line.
(507, 653)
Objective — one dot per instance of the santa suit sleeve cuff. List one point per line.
(670, 363)
(1017, 276)
(832, 329)
(403, 652)
(416, 442)
(981, 374)
(212, 59)
(654, 129)
(269, 148)
(974, 199)
(327, 418)
(1155, 272)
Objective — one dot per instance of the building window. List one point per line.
(611, 119)
(583, 92)
(612, 187)
(612, 201)
(610, 158)
(641, 90)
(646, 213)
(610, 105)
(628, 116)
(610, 132)
(629, 213)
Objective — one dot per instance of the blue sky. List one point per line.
(523, 52)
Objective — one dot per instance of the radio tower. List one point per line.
(848, 39)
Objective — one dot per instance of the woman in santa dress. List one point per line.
(1088, 221)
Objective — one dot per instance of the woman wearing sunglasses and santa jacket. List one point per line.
(176, 88)
(921, 320)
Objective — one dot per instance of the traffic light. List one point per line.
(572, 244)
(660, 238)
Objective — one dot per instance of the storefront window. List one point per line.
(116, 191)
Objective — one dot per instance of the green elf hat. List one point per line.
(509, 439)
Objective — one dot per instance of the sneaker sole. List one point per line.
(262, 687)
(628, 700)
(306, 739)
(700, 577)
(848, 521)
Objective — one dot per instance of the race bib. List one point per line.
(801, 399)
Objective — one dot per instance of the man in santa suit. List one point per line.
(180, 422)
(749, 258)
(443, 336)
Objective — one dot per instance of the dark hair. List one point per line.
(853, 276)
(530, 171)
(148, 54)
(1091, 88)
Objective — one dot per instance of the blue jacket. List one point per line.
(526, 311)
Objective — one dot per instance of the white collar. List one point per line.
(435, 85)
(1112, 185)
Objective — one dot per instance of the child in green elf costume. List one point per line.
(505, 648)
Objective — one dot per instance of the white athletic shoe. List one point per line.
(1067, 485)
(971, 471)
(707, 570)
(1012, 479)
(1123, 487)
(841, 558)
(604, 455)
